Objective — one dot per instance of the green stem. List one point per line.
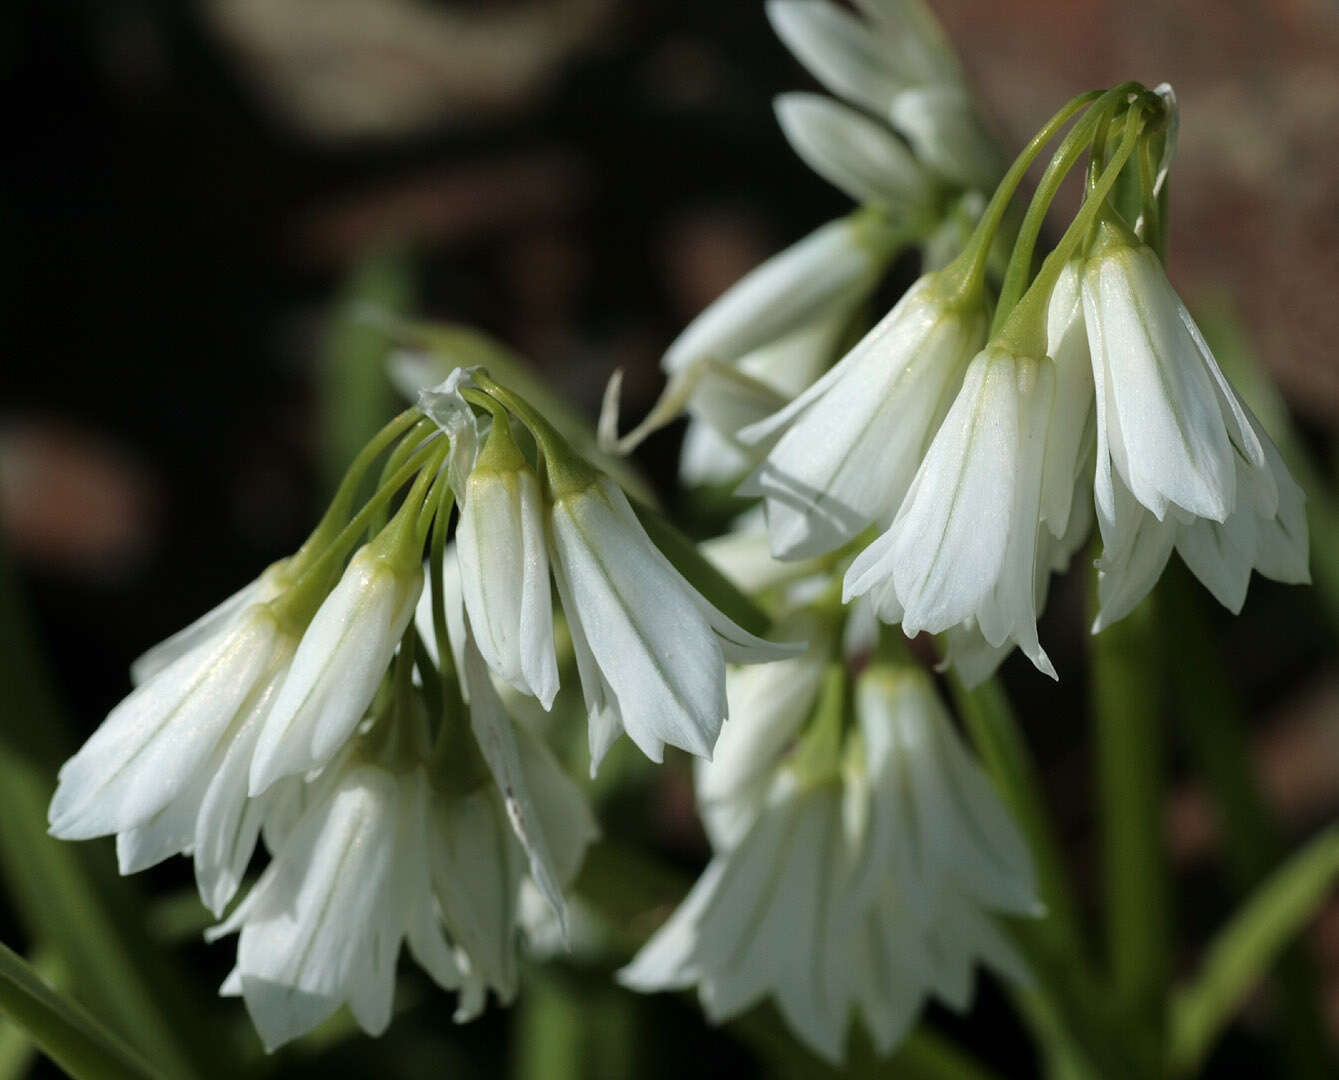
(1080, 135)
(1216, 738)
(977, 250)
(1130, 770)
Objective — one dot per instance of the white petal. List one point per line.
(504, 571)
(1165, 425)
(941, 123)
(858, 434)
(337, 668)
(832, 265)
(840, 51)
(952, 531)
(151, 746)
(857, 155)
(264, 588)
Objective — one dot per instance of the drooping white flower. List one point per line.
(769, 706)
(870, 889)
(900, 67)
(862, 158)
(650, 649)
(760, 921)
(1181, 462)
(850, 444)
(324, 924)
(937, 825)
(1168, 422)
(339, 663)
(964, 544)
(505, 568)
(1136, 545)
(167, 770)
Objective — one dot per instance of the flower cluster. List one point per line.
(962, 448)
(903, 139)
(860, 854)
(371, 750)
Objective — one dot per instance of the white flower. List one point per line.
(504, 568)
(1181, 462)
(167, 769)
(769, 706)
(760, 921)
(339, 663)
(862, 158)
(937, 825)
(1136, 545)
(832, 267)
(324, 924)
(943, 127)
(899, 67)
(650, 649)
(850, 444)
(1167, 420)
(964, 543)
(871, 889)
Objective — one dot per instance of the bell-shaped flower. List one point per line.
(1274, 542)
(849, 446)
(504, 567)
(760, 922)
(964, 544)
(768, 335)
(167, 769)
(1168, 423)
(769, 706)
(859, 156)
(650, 649)
(937, 825)
(324, 924)
(341, 659)
(868, 886)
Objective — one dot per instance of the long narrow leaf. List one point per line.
(65, 1032)
(1247, 947)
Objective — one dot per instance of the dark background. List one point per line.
(186, 188)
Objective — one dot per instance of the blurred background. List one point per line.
(197, 198)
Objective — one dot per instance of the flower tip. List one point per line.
(607, 427)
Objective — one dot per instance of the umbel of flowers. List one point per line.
(397, 798)
(963, 446)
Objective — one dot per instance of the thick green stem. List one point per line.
(1211, 722)
(1130, 771)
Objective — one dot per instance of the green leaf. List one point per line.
(66, 1033)
(701, 574)
(1248, 946)
(67, 897)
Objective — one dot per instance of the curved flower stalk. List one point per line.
(863, 881)
(850, 444)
